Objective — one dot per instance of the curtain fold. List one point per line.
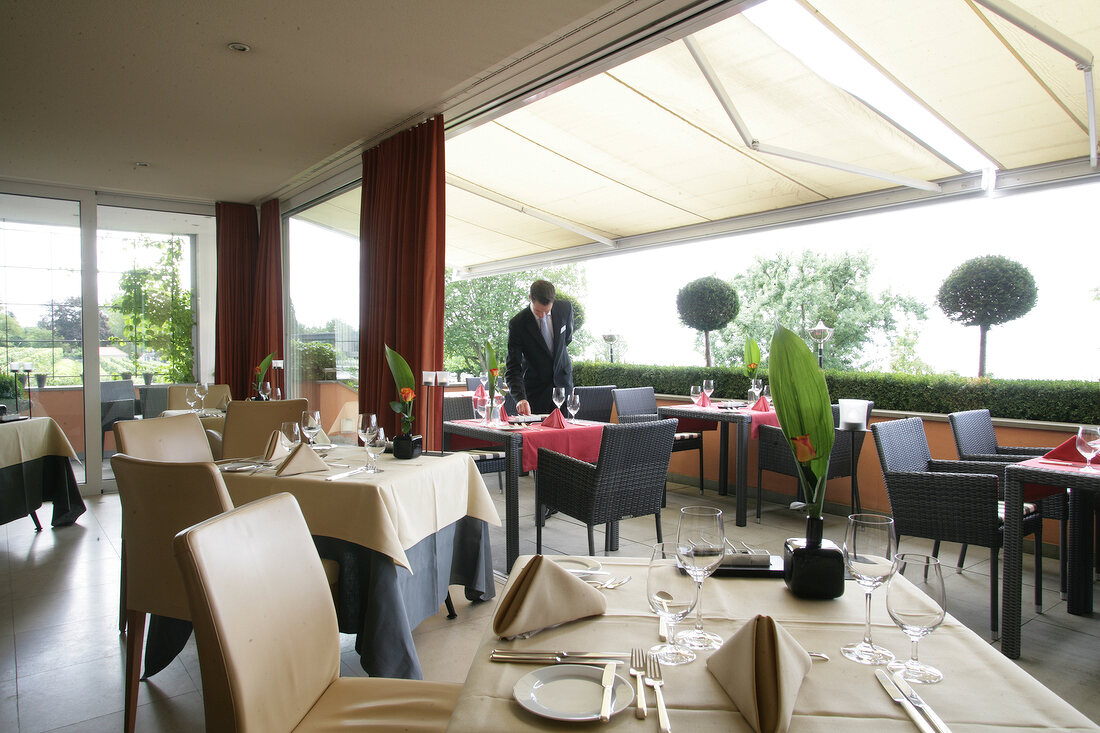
(249, 320)
(402, 245)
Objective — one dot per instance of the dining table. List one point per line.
(981, 689)
(401, 536)
(1083, 483)
(747, 422)
(521, 440)
(36, 466)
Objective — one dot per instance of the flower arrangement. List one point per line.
(752, 357)
(260, 371)
(493, 369)
(403, 378)
(805, 412)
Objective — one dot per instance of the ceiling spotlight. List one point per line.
(238, 46)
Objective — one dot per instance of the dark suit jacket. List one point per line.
(531, 370)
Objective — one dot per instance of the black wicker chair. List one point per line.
(976, 440)
(639, 404)
(627, 480)
(774, 454)
(116, 402)
(487, 460)
(949, 501)
(595, 402)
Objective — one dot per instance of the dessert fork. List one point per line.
(637, 669)
(653, 679)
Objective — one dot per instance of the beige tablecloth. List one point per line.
(27, 440)
(388, 512)
(982, 690)
(211, 420)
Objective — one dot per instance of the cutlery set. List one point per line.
(913, 704)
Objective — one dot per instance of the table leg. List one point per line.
(853, 467)
(1079, 566)
(723, 458)
(742, 486)
(511, 501)
(1011, 584)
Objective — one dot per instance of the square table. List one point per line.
(981, 691)
(746, 421)
(1083, 486)
(580, 440)
(35, 467)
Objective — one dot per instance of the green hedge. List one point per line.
(1025, 399)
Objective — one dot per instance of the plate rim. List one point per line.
(590, 671)
(587, 563)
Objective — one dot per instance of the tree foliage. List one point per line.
(707, 304)
(987, 291)
(807, 287)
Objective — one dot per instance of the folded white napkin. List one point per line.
(542, 594)
(761, 668)
(277, 446)
(301, 460)
(321, 438)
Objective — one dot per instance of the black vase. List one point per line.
(407, 446)
(813, 567)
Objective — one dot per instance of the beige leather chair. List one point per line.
(158, 500)
(248, 424)
(217, 397)
(269, 648)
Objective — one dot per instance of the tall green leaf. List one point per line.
(752, 356)
(399, 368)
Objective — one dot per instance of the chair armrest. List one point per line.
(565, 483)
(215, 439)
(955, 507)
(115, 410)
(624, 419)
(992, 457)
(993, 468)
(1011, 451)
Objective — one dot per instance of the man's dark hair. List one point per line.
(543, 291)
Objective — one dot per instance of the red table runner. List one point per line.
(580, 440)
(1035, 492)
(759, 417)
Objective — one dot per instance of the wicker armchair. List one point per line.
(595, 402)
(627, 480)
(949, 501)
(774, 454)
(639, 404)
(976, 440)
(487, 460)
(116, 402)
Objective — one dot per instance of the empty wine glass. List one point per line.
(574, 406)
(192, 397)
(672, 594)
(202, 389)
(1088, 444)
(265, 390)
(558, 397)
(868, 549)
(311, 424)
(696, 393)
(291, 433)
(700, 547)
(708, 387)
(480, 404)
(484, 378)
(376, 446)
(917, 607)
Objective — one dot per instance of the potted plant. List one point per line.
(258, 374)
(752, 363)
(812, 567)
(405, 445)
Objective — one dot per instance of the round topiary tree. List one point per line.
(987, 291)
(707, 304)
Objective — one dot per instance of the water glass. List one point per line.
(868, 555)
(1088, 444)
(375, 446)
(696, 393)
(192, 397)
(291, 433)
(700, 547)
(917, 602)
(480, 403)
(708, 387)
(672, 595)
(311, 424)
(558, 397)
(265, 390)
(202, 389)
(574, 406)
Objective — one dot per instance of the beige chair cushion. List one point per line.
(217, 397)
(179, 438)
(248, 424)
(158, 500)
(381, 704)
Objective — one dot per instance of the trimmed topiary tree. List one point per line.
(987, 291)
(707, 304)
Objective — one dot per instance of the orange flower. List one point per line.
(803, 449)
(753, 366)
(407, 394)
(257, 369)
(494, 372)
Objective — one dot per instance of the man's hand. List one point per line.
(523, 407)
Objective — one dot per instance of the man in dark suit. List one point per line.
(538, 359)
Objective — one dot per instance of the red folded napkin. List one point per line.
(704, 401)
(1067, 451)
(504, 415)
(480, 391)
(761, 405)
(554, 420)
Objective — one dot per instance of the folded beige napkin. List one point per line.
(277, 446)
(321, 438)
(541, 595)
(301, 460)
(761, 668)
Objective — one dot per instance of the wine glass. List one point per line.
(311, 424)
(265, 390)
(573, 405)
(480, 403)
(484, 378)
(696, 393)
(868, 549)
(918, 608)
(700, 547)
(708, 387)
(192, 397)
(202, 389)
(1088, 444)
(291, 433)
(558, 397)
(672, 594)
(376, 446)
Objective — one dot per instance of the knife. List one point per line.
(893, 691)
(608, 682)
(533, 656)
(918, 701)
(345, 474)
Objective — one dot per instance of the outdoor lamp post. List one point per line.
(820, 334)
(611, 338)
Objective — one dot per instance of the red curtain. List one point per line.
(249, 320)
(401, 235)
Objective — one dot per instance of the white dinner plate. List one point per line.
(570, 692)
(322, 447)
(575, 562)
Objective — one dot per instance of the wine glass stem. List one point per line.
(913, 652)
(867, 623)
(670, 627)
(699, 607)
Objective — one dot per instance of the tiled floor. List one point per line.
(61, 656)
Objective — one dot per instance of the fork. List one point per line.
(653, 679)
(610, 583)
(637, 669)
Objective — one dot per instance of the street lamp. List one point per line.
(820, 334)
(611, 338)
